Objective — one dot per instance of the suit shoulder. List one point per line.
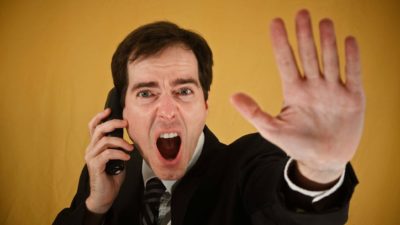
(254, 143)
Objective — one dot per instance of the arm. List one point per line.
(321, 122)
(97, 190)
(76, 212)
(268, 199)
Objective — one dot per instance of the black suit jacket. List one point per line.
(240, 183)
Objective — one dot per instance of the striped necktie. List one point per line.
(151, 203)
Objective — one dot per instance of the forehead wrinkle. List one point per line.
(177, 65)
(173, 69)
(170, 65)
(164, 63)
(172, 56)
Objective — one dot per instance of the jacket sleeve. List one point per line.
(74, 215)
(269, 200)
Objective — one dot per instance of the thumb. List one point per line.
(252, 112)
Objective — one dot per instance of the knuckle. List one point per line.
(89, 161)
(99, 129)
(104, 141)
(98, 115)
(87, 155)
(86, 158)
(107, 153)
(94, 121)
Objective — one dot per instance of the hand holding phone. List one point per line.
(105, 155)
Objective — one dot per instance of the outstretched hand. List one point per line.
(321, 121)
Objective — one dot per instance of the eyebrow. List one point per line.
(152, 84)
(180, 81)
(144, 85)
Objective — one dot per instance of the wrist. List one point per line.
(95, 208)
(316, 179)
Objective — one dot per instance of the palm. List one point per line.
(321, 121)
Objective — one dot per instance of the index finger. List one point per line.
(283, 51)
(96, 120)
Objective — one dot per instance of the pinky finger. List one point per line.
(110, 154)
(353, 65)
(107, 155)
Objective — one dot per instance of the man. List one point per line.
(163, 74)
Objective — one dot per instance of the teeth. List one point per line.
(168, 135)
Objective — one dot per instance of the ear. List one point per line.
(123, 113)
(206, 101)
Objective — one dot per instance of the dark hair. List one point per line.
(152, 38)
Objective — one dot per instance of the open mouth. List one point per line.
(168, 144)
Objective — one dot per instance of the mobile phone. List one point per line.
(114, 167)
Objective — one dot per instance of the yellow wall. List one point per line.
(55, 73)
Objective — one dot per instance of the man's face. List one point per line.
(165, 109)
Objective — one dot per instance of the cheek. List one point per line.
(195, 119)
(201, 114)
(137, 122)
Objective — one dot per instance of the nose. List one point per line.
(167, 108)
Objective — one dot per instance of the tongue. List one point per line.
(169, 147)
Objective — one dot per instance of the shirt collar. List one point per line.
(148, 173)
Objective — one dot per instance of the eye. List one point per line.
(144, 94)
(184, 91)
